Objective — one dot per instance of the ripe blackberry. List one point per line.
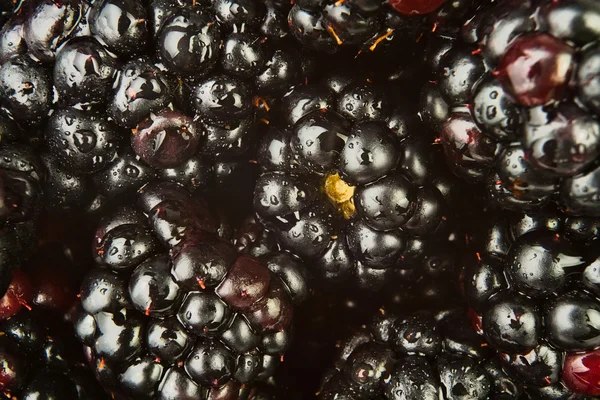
(331, 25)
(351, 184)
(38, 356)
(332, 309)
(36, 364)
(514, 102)
(186, 82)
(418, 355)
(533, 289)
(171, 309)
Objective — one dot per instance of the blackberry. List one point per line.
(36, 363)
(349, 184)
(38, 355)
(513, 101)
(171, 309)
(187, 83)
(332, 309)
(418, 355)
(25, 90)
(364, 26)
(533, 292)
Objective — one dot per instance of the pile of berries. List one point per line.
(275, 199)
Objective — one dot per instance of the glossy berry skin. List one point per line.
(142, 89)
(12, 42)
(587, 75)
(579, 193)
(39, 357)
(494, 109)
(166, 139)
(124, 176)
(558, 147)
(48, 25)
(459, 70)
(470, 151)
(361, 26)
(512, 325)
(403, 355)
(411, 7)
(536, 69)
(516, 184)
(188, 43)
(434, 108)
(22, 176)
(580, 371)
(84, 72)
(575, 333)
(168, 293)
(280, 70)
(243, 55)
(352, 26)
(121, 25)
(222, 100)
(345, 183)
(524, 76)
(17, 295)
(83, 142)
(310, 28)
(537, 270)
(25, 90)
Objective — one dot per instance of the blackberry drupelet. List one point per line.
(351, 184)
(533, 289)
(172, 310)
(332, 309)
(127, 91)
(38, 349)
(21, 198)
(363, 26)
(514, 101)
(418, 355)
(328, 25)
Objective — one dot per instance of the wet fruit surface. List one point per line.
(580, 373)
(430, 166)
(412, 7)
(345, 187)
(536, 69)
(516, 75)
(200, 304)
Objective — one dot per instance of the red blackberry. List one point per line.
(173, 310)
(513, 100)
(533, 289)
(349, 184)
(418, 355)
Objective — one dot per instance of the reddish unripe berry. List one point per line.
(416, 7)
(17, 296)
(581, 373)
